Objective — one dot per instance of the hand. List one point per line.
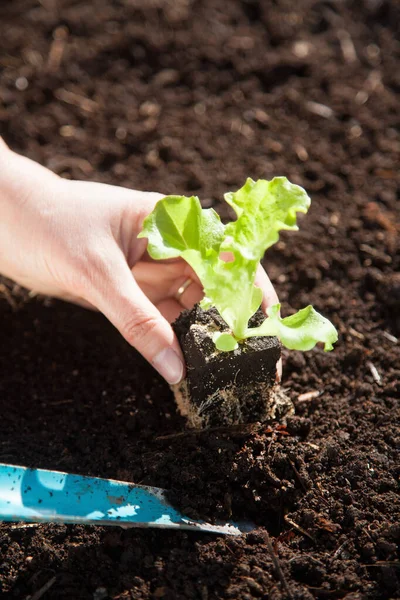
(78, 241)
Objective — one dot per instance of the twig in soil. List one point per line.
(374, 372)
(319, 109)
(321, 493)
(76, 100)
(312, 558)
(385, 563)
(57, 48)
(385, 219)
(43, 589)
(241, 429)
(356, 333)
(303, 531)
(309, 396)
(369, 534)
(313, 446)
(338, 552)
(347, 46)
(323, 592)
(8, 296)
(179, 434)
(9, 61)
(298, 476)
(277, 566)
(376, 253)
(59, 163)
(390, 337)
(59, 402)
(24, 525)
(301, 152)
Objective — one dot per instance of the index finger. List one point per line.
(270, 297)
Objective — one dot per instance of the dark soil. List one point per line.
(194, 96)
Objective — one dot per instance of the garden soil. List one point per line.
(193, 97)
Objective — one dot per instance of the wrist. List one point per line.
(21, 177)
(25, 190)
(5, 158)
(3, 146)
(6, 177)
(8, 173)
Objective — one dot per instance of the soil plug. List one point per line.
(231, 347)
(225, 388)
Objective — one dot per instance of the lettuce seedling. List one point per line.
(179, 227)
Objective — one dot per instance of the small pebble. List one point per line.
(21, 83)
(100, 593)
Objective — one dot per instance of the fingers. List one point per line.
(270, 296)
(156, 279)
(170, 309)
(117, 295)
(188, 292)
(161, 281)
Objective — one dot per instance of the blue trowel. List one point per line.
(40, 496)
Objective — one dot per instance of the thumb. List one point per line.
(117, 295)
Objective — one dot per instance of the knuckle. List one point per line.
(139, 328)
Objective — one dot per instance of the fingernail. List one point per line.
(169, 365)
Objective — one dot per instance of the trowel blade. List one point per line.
(41, 496)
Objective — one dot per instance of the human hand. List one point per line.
(78, 241)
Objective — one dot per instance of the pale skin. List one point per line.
(77, 241)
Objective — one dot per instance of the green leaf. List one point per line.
(300, 331)
(225, 341)
(178, 226)
(263, 209)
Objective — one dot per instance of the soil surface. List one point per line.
(193, 97)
